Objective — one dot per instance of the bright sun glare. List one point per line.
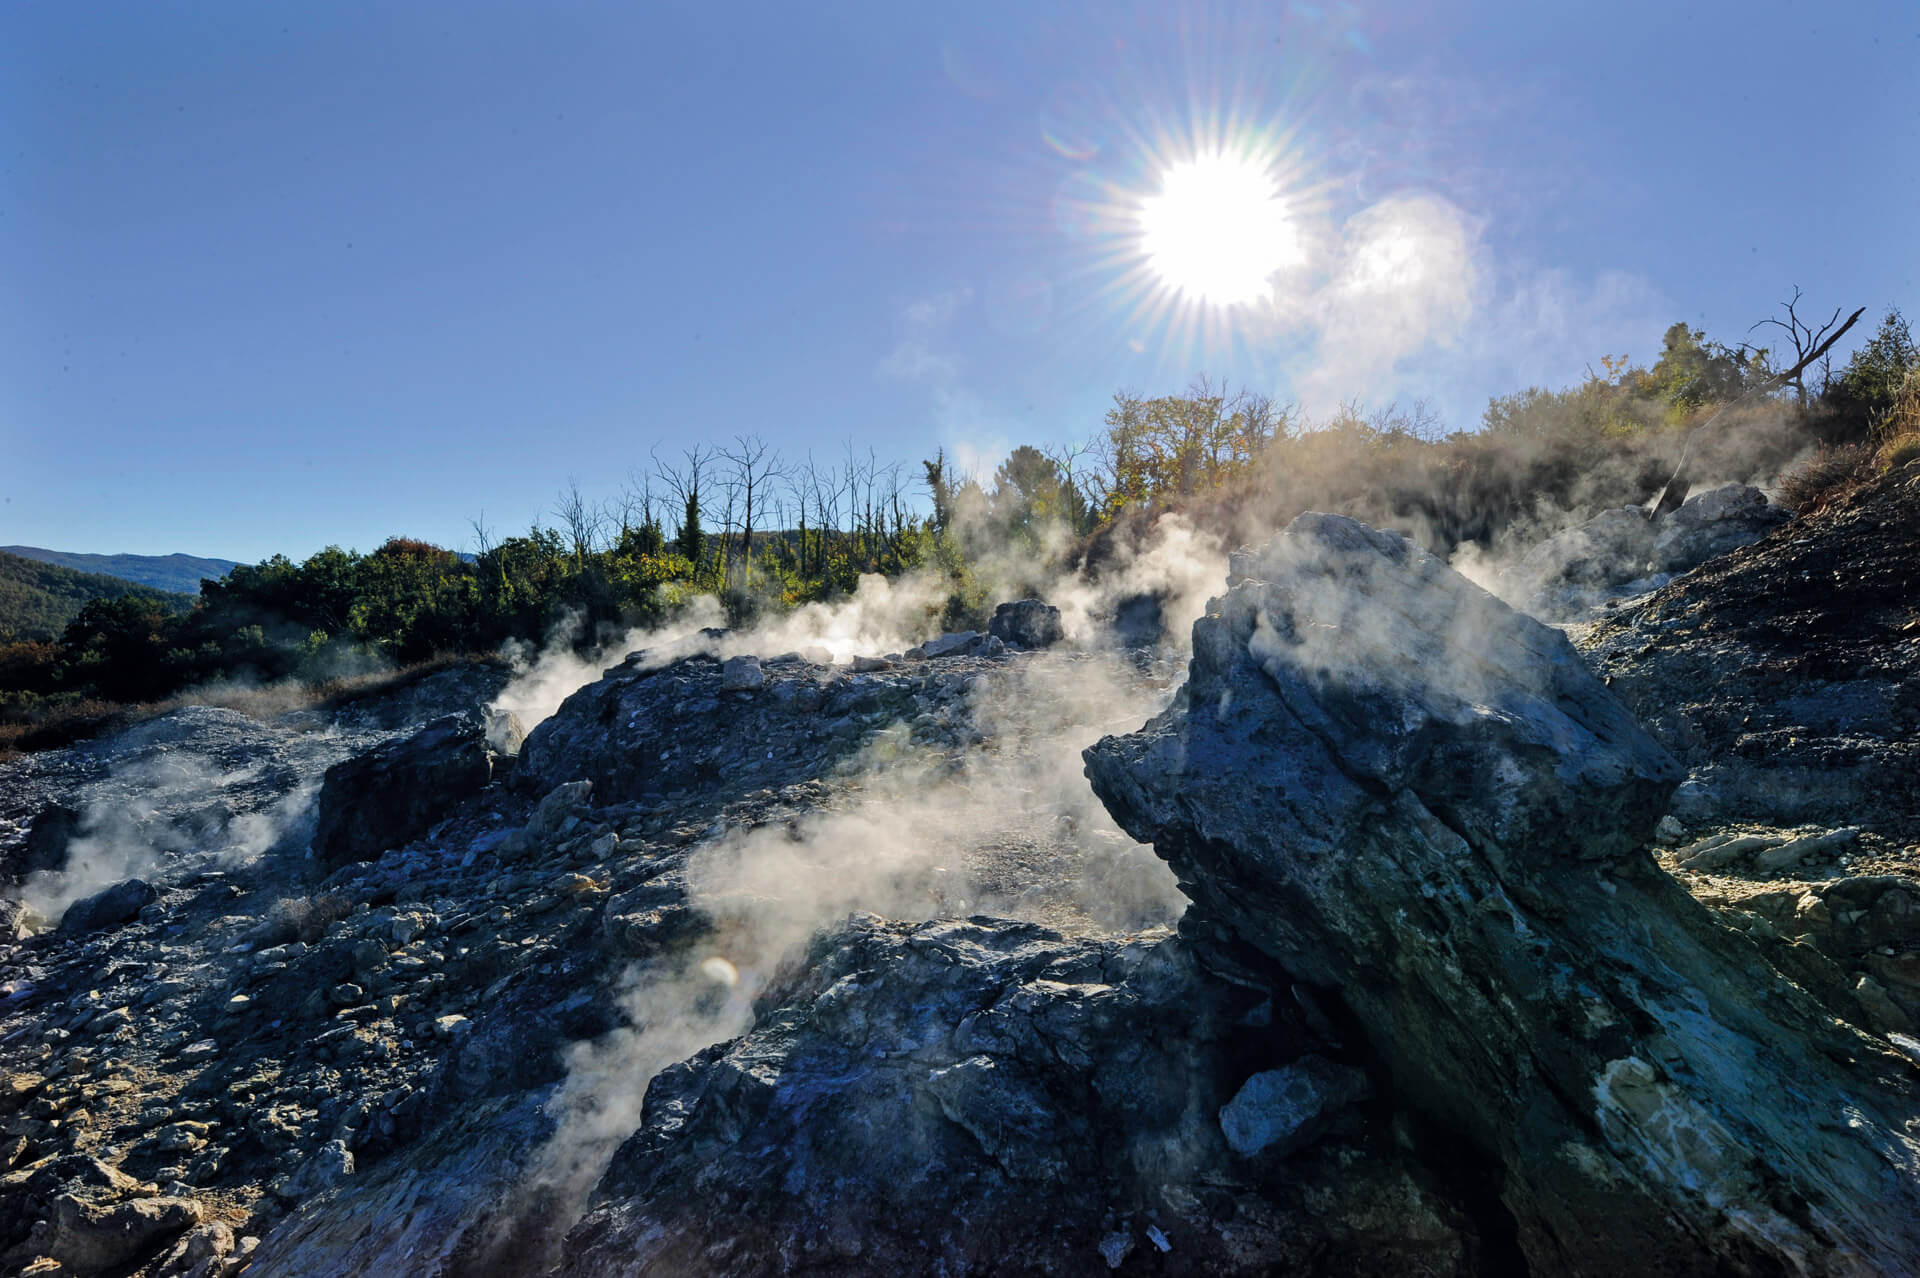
(1217, 229)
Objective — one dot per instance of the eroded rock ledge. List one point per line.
(1411, 797)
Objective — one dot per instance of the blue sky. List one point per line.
(275, 276)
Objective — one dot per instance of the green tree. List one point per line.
(691, 541)
(1872, 380)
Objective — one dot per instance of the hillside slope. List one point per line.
(37, 600)
(176, 573)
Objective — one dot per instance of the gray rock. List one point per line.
(1279, 1111)
(89, 1239)
(1419, 802)
(910, 1076)
(742, 674)
(952, 643)
(396, 793)
(1711, 524)
(640, 733)
(112, 908)
(505, 732)
(1621, 552)
(50, 833)
(326, 1167)
(1027, 623)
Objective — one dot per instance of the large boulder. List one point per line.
(1624, 552)
(49, 836)
(1027, 623)
(1419, 802)
(983, 1096)
(1711, 524)
(90, 1239)
(397, 792)
(650, 728)
(109, 908)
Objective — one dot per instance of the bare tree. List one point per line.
(684, 482)
(482, 536)
(583, 520)
(756, 468)
(1675, 493)
(1806, 341)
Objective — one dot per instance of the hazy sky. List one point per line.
(279, 275)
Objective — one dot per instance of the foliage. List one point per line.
(1860, 402)
(38, 599)
(1236, 463)
(1176, 445)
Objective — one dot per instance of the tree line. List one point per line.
(761, 531)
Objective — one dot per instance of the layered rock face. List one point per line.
(1786, 676)
(1420, 802)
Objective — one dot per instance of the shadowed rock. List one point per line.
(983, 1096)
(1027, 623)
(1418, 800)
(396, 793)
(111, 908)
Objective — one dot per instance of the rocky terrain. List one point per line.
(1406, 935)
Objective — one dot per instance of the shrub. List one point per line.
(1832, 473)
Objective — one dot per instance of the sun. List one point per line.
(1218, 229)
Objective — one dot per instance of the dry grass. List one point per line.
(1899, 431)
(51, 727)
(1829, 476)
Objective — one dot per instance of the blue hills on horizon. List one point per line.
(180, 574)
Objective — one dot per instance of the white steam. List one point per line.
(1007, 826)
(153, 813)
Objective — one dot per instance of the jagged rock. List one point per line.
(326, 1167)
(987, 1096)
(1711, 524)
(505, 732)
(213, 1241)
(1784, 677)
(385, 798)
(13, 919)
(1027, 623)
(110, 908)
(1608, 550)
(1419, 803)
(48, 837)
(87, 1239)
(970, 643)
(1623, 552)
(642, 732)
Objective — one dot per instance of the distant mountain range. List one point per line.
(38, 599)
(178, 573)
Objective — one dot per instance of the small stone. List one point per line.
(1669, 831)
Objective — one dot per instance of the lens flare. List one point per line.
(1218, 229)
